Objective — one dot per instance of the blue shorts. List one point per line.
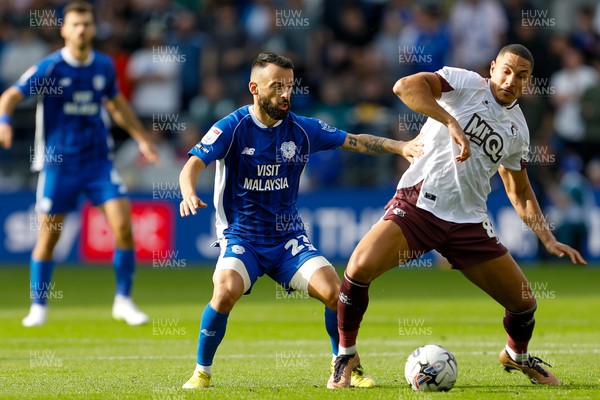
(279, 260)
(58, 191)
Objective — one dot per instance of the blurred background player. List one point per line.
(261, 151)
(440, 203)
(73, 152)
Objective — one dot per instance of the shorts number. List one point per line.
(296, 248)
(487, 225)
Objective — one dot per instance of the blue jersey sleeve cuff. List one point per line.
(201, 153)
(23, 90)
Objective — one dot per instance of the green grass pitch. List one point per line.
(276, 346)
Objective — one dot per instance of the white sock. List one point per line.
(346, 350)
(205, 369)
(516, 357)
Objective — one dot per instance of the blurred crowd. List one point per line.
(185, 64)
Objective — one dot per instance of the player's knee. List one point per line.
(223, 300)
(124, 235)
(44, 248)
(359, 268)
(42, 253)
(331, 300)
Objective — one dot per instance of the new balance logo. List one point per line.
(249, 151)
(208, 333)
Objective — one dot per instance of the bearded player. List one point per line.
(475, 129)
(261, 151)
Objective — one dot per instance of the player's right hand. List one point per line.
(6, 135)
(190, 204)
(457, 134)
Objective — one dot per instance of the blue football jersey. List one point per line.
(71, 123)
(258, 171)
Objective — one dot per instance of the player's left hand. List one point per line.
(412, 149)
(149, 152)
(560, 250)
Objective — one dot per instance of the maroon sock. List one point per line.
(352, 304)
(519, 327)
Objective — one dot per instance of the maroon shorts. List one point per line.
(461, 244)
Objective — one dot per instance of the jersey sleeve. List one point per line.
(457, 81)
(33, 80)
(321, 135)
(215, 143)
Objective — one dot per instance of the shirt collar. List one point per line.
(257, 121)
(72, 61)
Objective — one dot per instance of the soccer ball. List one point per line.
(431, 368)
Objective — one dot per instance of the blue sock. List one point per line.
(212, 331)
(124, 264)
(40, 278)
(331, 326)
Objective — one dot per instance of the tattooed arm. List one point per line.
(369, 144)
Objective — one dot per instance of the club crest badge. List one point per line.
(288, 150)
(98, 82)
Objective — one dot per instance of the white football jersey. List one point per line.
(457, 192)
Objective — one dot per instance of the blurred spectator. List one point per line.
(154, 73)
(190, 43)
(574, 202)
(139, 174)
(326, 168)
(590, 114)
(112, 45)
(20, 52)
(258, 17)
(478, 29)
(593, 172)
(530, 36)
(388, 42)
(211, 105)
(516, 10)
(570, 83)
(585, 38)
(227, 55)
(430, 42)
(370, 115)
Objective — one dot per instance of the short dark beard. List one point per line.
(273, 111)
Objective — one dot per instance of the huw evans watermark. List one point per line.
(166, 191)
(414, 55)
(168, 260)
(537, 19)
(168, 123)
(167, 54)
(288, 18)
(167, 327)
(290, 359)
(413, 327)
(44, 19)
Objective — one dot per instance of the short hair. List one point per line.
(78, 7)
(518, 50)
(268, 57)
